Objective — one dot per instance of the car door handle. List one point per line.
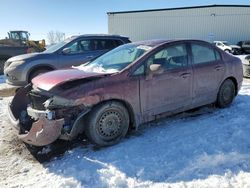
(218, 68)
(185, 75)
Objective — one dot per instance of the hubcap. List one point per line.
(110, 125)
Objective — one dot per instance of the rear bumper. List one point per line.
(42, 131)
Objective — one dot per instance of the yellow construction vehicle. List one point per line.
(21, 39)
(18, 43)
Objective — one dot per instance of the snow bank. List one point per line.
(205, 148)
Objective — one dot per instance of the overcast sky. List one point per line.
(78, 16)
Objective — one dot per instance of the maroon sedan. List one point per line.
(130, 85)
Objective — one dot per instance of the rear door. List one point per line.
(171, 89)
(208, 72)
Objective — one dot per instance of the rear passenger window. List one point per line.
(203, 54)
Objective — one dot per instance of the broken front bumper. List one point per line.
(37, 132)
(42, 131)
(41, 127)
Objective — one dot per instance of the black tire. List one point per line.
(37, 72)
(228, 51)
(107, 124)
(226, 93)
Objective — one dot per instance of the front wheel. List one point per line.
(107, 124)
(226, 93)
(228, 51)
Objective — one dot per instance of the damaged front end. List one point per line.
(41, 117)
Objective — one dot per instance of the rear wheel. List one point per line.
(107, 124)
(228, 51)
(226, 93)
(38, 72)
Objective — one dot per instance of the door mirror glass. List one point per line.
(66, 51)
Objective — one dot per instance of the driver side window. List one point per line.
(170, 58)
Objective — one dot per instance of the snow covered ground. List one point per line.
(206, 148)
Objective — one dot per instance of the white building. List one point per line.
(215, 22)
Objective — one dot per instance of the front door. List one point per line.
(171, 88)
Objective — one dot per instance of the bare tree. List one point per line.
(59, 36)
(51, 37)
(55, 37)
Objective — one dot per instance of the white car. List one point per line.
(223, 45)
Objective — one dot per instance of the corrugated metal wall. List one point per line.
(212, 23)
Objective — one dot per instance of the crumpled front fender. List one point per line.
(43, 132)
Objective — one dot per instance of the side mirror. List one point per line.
(154, 68)
(66, 51)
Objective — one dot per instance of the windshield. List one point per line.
(115, 60)
(57, 46)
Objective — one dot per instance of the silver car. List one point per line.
(74, 51)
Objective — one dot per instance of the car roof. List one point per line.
(157, 42)
(99, 35)
(152, 43)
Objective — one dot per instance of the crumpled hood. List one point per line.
(51, 79)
